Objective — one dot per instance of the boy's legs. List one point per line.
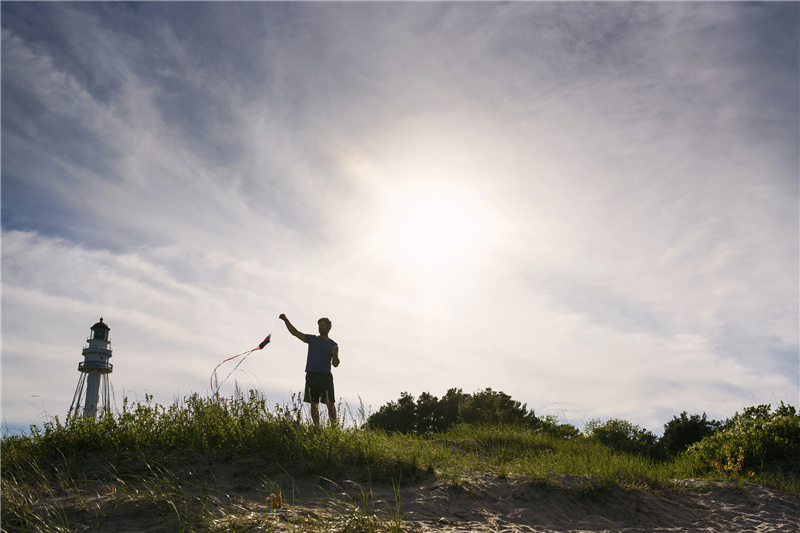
(317, 389)
(315, 413)
(331, 413)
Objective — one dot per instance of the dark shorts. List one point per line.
(319, 387)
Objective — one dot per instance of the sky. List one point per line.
(591, 207)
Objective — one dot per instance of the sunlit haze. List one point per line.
(592, 207)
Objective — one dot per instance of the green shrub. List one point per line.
(487, 407)
(429, 414)
(399, 416)
(769, 442)
(683, 431)
(550, 425)
(621, 435)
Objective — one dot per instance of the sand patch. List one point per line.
(255, 494)
(491, 503)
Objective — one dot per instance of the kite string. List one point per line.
(229, 375)
(245, 354)
(213, 374)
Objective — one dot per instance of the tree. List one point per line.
(428, 418)
(621, 435)
(397, 416)
(551, 426)
(428, 414)
(681, 432)
(449, 406)
(490, 407)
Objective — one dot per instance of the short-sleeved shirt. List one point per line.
(320, 353)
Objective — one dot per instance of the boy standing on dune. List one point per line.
(322, 353)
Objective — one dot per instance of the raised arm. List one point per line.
(292, 329)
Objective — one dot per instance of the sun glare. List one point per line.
(432, 230)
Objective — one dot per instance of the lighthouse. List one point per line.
(92, 394)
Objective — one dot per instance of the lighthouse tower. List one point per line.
(93, 393)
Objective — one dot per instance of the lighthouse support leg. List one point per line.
(76, 400)
(105, 396)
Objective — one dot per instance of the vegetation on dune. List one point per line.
(148, 456)
(428, 414)
(621, 436)
(770, 440)
(758, 440)
(681, 432)
(221, 428)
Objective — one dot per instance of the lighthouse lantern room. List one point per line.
(93, 394)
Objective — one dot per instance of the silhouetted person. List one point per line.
(322, 352)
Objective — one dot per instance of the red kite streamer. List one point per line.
(245, 354)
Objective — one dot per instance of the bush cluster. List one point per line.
(679, 433)
(622, 436)
(429, 414)
(683, 431)
(768, 441)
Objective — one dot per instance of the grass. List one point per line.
(209, 465)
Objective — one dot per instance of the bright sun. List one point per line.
(432, 229)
